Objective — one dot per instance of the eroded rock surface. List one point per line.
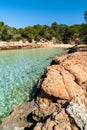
(66, 79)
(61, 99)
(78, 112)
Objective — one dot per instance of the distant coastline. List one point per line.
(25, 45)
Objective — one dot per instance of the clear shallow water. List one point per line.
(19, 72)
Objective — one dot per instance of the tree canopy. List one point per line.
(60, 32)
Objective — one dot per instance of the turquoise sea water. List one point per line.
(19, 72)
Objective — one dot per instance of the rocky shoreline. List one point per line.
(28, 45)
(60, 102)
(51, 44)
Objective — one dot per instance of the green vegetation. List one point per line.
(59, 32)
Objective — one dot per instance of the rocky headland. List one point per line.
(60, 102)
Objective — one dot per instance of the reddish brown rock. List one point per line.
(56, 106)
(66, 79)
(57, 121)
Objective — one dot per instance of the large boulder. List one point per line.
(66, 79)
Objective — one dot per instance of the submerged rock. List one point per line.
(60, 101)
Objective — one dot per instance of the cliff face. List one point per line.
(61, 99)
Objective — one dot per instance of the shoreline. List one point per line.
(27, 45)
(55, 108)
